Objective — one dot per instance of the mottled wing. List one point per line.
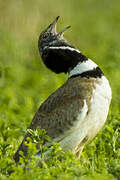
(59, 112)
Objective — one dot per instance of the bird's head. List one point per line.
(56, 53)
(49, 37)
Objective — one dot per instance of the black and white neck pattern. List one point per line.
(61, 58)
(69, 59)
(86, 69)
(69, 51)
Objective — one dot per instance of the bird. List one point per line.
(76, 111)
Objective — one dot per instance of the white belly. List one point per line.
(90, 125)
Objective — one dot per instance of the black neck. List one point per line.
(62, 59)
(95, 73)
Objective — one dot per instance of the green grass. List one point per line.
(25, 82)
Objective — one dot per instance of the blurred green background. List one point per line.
(24, 80)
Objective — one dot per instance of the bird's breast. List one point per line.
(90, 118)
(99, 107)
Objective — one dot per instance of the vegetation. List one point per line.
(25, 83)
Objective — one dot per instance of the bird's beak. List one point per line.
(62, 32)
(53, 28)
